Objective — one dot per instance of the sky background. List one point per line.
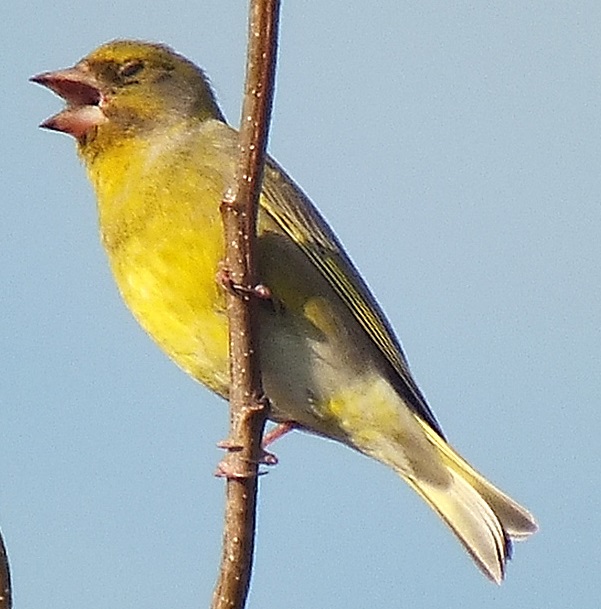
(455, 148)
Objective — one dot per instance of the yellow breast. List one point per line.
(161, 228)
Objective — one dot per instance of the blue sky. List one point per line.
(455, 149)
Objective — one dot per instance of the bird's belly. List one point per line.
(173, 294)
(318, 365)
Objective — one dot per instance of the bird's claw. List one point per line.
(260, 291)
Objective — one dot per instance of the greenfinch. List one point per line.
(160, 156)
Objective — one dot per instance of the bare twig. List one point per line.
(248, 408)
(5, 587)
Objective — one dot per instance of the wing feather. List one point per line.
(294, 213)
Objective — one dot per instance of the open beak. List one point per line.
(83, 94)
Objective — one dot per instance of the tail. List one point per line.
(381, 425)
(484, 519)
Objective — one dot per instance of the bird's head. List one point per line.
(125, 88)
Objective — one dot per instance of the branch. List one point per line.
(248, 407)
(5, 587)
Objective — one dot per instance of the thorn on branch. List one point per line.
(226, 470)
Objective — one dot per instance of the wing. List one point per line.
(294, 213)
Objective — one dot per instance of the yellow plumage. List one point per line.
(160, 156)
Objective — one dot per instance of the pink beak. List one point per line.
(82, 92)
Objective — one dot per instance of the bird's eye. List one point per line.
(131, 68)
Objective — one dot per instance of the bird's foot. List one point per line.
(225, 468)
(260, 291)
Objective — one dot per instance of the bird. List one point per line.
(160, 155)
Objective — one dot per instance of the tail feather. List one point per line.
(482, 517)
(517, 521)
(472, 520)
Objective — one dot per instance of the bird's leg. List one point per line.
(281, 429)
